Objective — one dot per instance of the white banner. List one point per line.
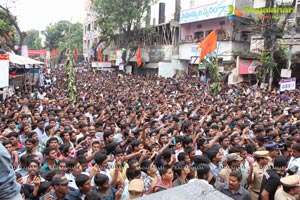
(206, 10)
(4, 68)
(287, 84)
(101, 64)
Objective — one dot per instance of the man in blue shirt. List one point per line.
(9, 188)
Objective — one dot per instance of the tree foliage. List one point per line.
(120, 18)
(212, 65)
(33, 40)
(64, 35)
(10, 31)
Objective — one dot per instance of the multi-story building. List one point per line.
(155, 51)
(199, 18)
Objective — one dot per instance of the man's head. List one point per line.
(273, 150)
(261, 157)
(234, 160)
(296, 150)
(83, 183)
(50, 153)
(101, 181)
(60, 184)
(73, 167)
(101, 160)
(166, 173)
(291, 184)
(235, 179)
(280, 165)
(33, 166)
(13, 137)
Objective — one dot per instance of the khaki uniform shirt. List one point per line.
(223, 176)
(257, 176)
(282, 195)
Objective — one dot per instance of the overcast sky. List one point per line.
(37, 14)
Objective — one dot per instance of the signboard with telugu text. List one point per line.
(287, 84)
(206, 10)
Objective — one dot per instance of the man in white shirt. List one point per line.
(295, 160)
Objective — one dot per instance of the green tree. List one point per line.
(33, 40)
(64, 35)
(120, 20)
(11, 36)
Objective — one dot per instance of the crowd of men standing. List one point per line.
(127, 136)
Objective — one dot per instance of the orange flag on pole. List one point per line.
(52, 54)
(100, 58)
(138, 57)
(75, 54)
(208, 45)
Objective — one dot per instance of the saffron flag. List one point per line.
(75, 53)
(208, 45)
(138, 57)
(100, 58)
(53, 53)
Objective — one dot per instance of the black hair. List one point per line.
(181, 156)
(202, 169)
(178, 167)
(100, 158)
(48, 150)
(100, 179)
(145, 165)
(81, 179)
(236, 174)
(44, 186)
(92, 195)
(132, 173)
(163, 170)
(13, 134)
(82, 159)
(211, 154)
(280, 161)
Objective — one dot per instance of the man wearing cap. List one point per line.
(290, 188)
(256, 173)
(135, 188)
(273, 152)
(234, 162)
(62, 192)
(295, 160)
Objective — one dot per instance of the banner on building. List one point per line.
(247, 66)
(4, 68)
(287, 84)
(205, 10)
(101, 64)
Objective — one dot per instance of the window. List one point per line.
(245, 36)
(199, 36)
(188, 38)
(221, 34)
(207, 32)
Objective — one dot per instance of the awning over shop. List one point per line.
(21, 60)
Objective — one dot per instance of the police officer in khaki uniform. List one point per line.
(234, 163)
(273, 152)
(290, 188)
(256, 173)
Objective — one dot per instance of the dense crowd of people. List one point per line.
(127, 136)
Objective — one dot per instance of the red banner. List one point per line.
(248, 66)
(4, 57)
